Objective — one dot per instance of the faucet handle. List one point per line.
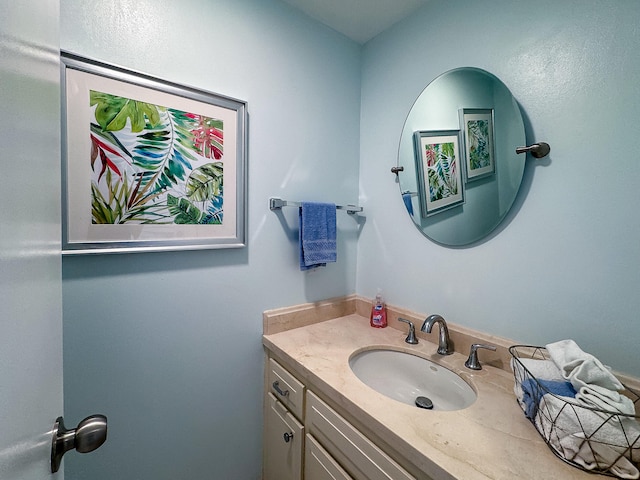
(472, 362)
(411, 337)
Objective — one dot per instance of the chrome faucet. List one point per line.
(444, 343)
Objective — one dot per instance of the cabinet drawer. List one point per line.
(318, 464)
(286, 388)
(356, 453)
(283, 443)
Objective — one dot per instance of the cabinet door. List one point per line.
(355, 452)
(318, 464)
(283, 441)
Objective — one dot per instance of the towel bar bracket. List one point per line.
(277, 204)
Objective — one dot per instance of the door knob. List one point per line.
(86, 437)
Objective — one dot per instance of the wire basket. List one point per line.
(594, 440)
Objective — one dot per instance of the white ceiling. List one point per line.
(360, 20)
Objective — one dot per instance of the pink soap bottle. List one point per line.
(378, 312)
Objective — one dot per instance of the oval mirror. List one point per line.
(460, 173)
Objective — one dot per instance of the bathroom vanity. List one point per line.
(319, 448)
(322, 422)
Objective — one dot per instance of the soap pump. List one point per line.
(378, 312)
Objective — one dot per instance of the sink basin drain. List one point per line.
(424, 402)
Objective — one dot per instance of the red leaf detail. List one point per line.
(103, 157)
(107, 163)
(105, 146)
(208, 139)
(98, 148)
(217, 133)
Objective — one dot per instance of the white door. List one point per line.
(30, 261)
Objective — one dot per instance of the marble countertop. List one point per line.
(491, 439)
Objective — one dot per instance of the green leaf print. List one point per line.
(112, 112)
(205, 182)
(183, 210)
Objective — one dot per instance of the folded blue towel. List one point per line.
(406, 197)
(559, 388)
(317, 234)
(532, 393)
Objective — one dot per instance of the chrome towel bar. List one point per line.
(277, 204)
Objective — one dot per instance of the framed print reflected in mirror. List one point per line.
(439, 170)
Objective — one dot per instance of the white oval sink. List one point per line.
(405, 377)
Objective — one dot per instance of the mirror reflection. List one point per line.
(460, 171)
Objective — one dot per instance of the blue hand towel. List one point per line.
(532, 393)
(406, 198)
(317, 234)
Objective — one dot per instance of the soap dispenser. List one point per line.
(378, 312)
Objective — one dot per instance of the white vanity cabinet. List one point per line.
(283, 430)
(323, 445)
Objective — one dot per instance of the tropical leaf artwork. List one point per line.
(154, 165)
(478, 144)
(442, 169)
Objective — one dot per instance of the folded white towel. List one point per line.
(540, 369)
(596, 385)
(605, 399)
(581, 367)
(558, 417)
(594, 456)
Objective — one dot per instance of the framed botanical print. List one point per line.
(149, 165)
(477, 129)
(440, 184)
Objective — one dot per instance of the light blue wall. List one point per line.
(168, 345)
(567, 262)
